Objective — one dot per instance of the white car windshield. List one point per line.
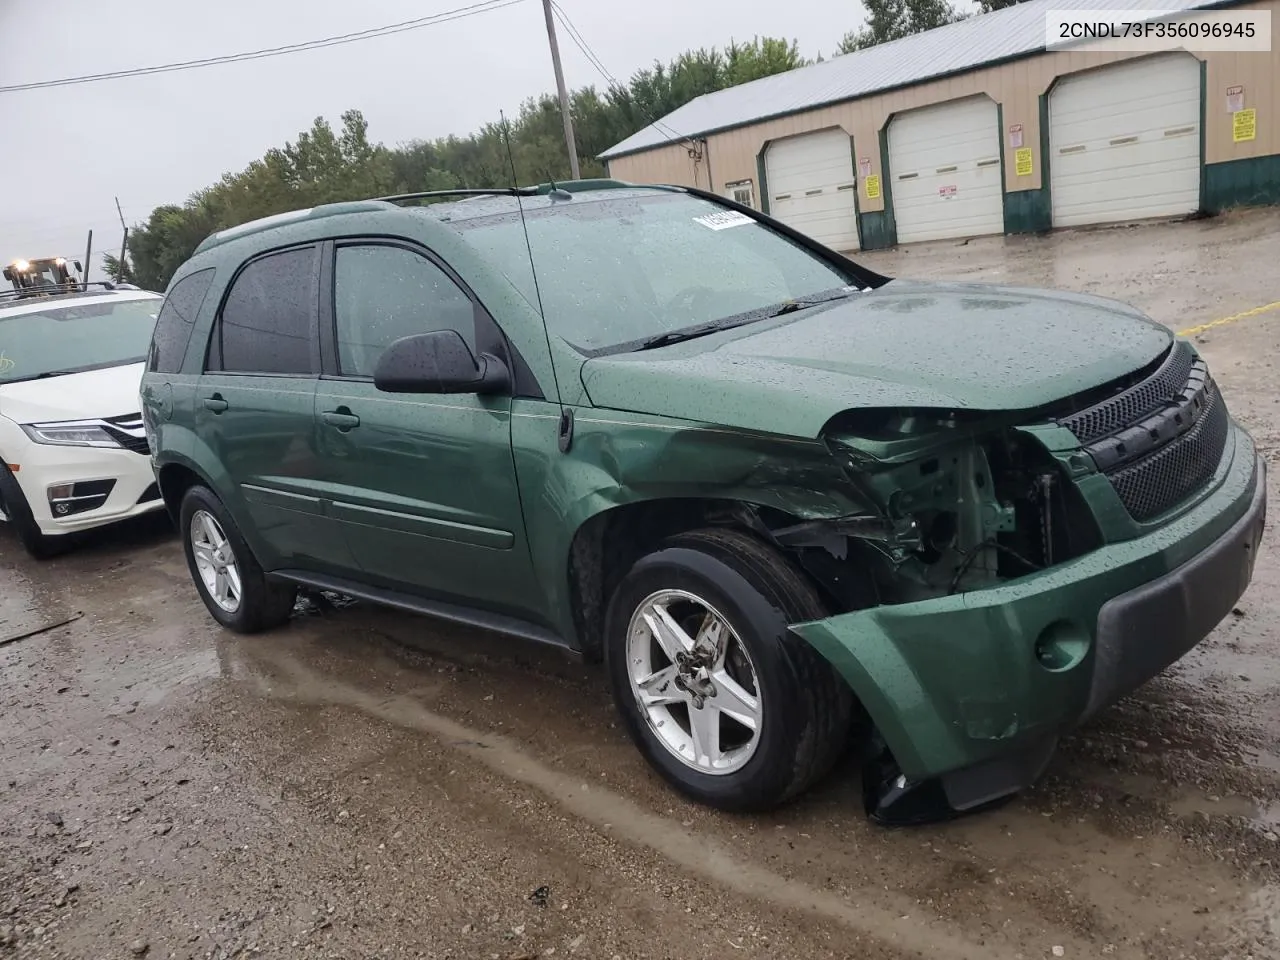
(75, 337)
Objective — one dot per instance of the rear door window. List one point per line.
(175, 322)
(268, 323)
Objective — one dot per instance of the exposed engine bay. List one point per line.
(954, 511)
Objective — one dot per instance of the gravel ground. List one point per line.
(366, 784)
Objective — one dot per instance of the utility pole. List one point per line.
(88, 263)
(124, 242)
(564, 97)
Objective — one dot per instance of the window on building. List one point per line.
(741, 192)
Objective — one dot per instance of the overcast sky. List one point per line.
(65, 152)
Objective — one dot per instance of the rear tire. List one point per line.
(781, 709)
(14, 503)
(226, 574)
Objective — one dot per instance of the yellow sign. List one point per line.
(1022, 161)
(1244, 125)
(873, 186)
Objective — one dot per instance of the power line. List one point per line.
(459, 13)
(580, 42)
(583, 46)
(596, 62)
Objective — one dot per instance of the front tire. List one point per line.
(14, 503)
(227, 576)
(730, 707)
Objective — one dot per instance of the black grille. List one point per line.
(1158, 441)
(127, 431)
(1131, 405)
(129, 441)
(1163, 479)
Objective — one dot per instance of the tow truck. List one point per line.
(44, 275)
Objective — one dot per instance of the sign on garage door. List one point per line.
(1124, 142)
(811, 186)
(944, 167)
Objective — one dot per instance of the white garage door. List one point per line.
(945, 167)
(1124, 142)
(811, 186)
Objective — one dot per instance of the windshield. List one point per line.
(42, 274)
(72, 338)
(615, 273)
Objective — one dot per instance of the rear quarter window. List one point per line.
(176, 321)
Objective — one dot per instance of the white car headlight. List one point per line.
(84, 433)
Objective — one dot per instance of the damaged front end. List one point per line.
(985, 500)
(1015, 572)
(959, 502)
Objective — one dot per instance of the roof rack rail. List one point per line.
(492, 192)
(57, 290)
(585, 185)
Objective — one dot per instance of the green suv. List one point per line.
(792, 504)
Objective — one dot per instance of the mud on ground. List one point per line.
(368, 784)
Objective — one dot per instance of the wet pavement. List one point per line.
(365, 784)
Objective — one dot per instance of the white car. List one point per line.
(73, 451)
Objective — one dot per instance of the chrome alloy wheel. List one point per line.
(694, 681)
(215, 561)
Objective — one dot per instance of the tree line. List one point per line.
(324, 165)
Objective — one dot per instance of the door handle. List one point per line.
(343, 419)
(215, 403)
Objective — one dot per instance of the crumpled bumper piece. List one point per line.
(978, 686)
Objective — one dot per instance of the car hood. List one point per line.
(905, 344)
(109, 392)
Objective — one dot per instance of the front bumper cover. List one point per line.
(45, 465)
(1143, 631)
(954, 684)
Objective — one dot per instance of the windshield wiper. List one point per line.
(679, 336)
(43, 376)
(804, 303)
(738, 319)
(54, 373)
(40, 376)
(71, 371)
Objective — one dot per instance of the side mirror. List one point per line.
(438, 362)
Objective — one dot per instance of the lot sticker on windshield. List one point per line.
(723, 220)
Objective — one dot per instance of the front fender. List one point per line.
(621, 459)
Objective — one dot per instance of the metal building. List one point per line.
(975, 128)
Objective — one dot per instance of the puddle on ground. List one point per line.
(24, 608)
(1263, 758)
(276, 672)
(1266, 815)
(1243, 658)
(155, 679)
(1259, 922)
